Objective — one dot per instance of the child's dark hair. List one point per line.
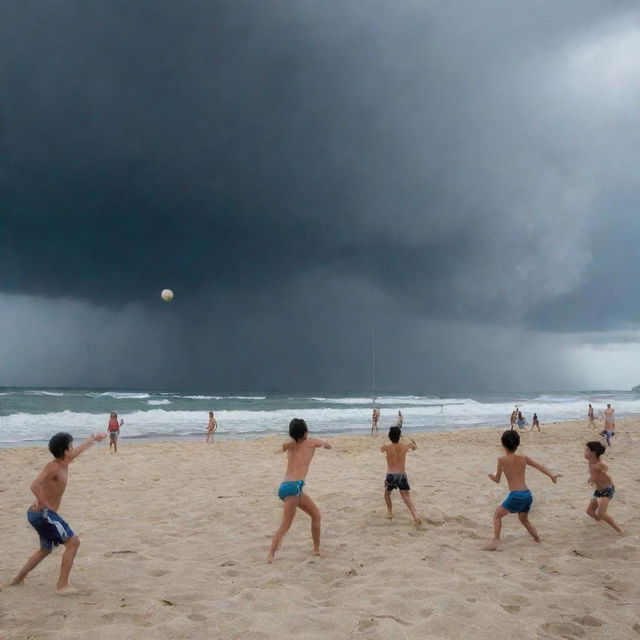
(59, 444)
(596, 447)
(394, 434)
(510, 440)
(297, 429)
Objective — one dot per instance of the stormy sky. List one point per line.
(461, 177)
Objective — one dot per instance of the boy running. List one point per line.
(605, 489)
(396, 476)
(48, 489)
(519, 499)
(299, 455)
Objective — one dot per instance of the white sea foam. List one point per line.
(159, 401)
(44, 393)
(121, 395)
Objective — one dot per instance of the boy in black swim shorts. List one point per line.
(396, 477)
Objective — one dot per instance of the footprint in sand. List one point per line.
(564, 629)
(158, 573)
(588, 621)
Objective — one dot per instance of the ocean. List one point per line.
(32, 416)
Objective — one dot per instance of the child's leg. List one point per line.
(30, 564)
(387, 501)
(524, 520)
(115, 444)
(593, 508)
(602, 514)
(309, 507)
(288, 514)
(406, 496)
(70, 550)
(498, 514)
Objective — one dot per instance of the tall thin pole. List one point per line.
(373, 370)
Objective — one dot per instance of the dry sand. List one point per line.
(174, 538)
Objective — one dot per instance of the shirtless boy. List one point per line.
(211, 427)
(396, 476)
(519, 499)
(48, 489)
(299, 455)
(605, 489)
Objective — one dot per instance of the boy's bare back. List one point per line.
(299, 456)
(396, 456)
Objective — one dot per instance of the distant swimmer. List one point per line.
(211, 427)
(590, 416)
(114, 431)
(522, 423)
(535, 422)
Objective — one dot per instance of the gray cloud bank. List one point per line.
(301, 171)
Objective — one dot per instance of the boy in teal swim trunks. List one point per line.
(299, 455)
(519, 499)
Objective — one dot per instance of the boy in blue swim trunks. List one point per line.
(604, 487)
(48, 489)
(519, 499)
(299, 455)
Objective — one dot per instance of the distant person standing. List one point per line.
(609, 418)
(590, 416)
(522, 423)
(535, 422)
(211, 427)
(114, 431)
(400, 420)
(375, 416)
(513, 418)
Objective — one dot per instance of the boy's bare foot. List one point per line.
(67, 591)
(537, 538)
(320, 554)
(417, 522)
(389, 516)
(492, 545)
(16, 583)
(270, 558)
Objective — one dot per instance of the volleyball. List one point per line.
(167, 295)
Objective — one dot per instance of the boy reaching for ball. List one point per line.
(48, 489)
(600, 478)
(519, 499)
(396, 477)
(300, 452)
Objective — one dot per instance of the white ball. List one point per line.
(167, 295)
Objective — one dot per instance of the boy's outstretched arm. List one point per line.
(316, 442)
(413, 446)
(94, 437)
(497, 475)
(532, 463)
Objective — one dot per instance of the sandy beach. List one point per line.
(174, 538)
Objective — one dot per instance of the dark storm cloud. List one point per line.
(453, 160)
